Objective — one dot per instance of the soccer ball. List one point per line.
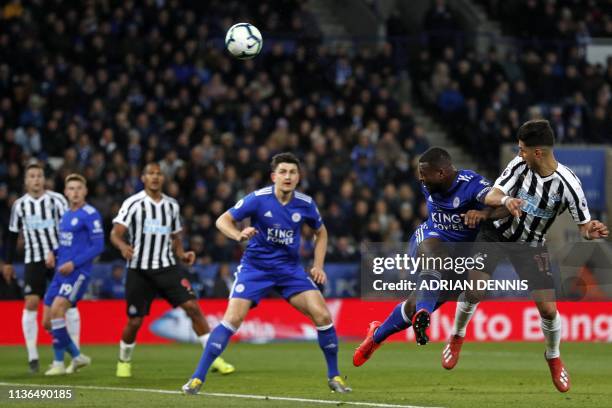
(243, 40)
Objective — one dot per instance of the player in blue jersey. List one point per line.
(81, 239)
(271, 261)
(455, 206)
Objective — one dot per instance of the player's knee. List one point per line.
(321, 317)
(135, 322)
(548, 312)
(32, 302)
(192, 309)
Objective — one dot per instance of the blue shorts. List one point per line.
(71, 287)
(254, 283)
(422, 233)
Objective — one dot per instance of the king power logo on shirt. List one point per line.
(445, 222)
(280, 236)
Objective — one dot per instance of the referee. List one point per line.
(36, 215)
(151, 220)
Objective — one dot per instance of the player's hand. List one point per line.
(8, 272)
(473, 217)
(514, 206)
(188, 258)
(50, 260)
(246, 234)
(66, 269)
(318, 275)
(596, 229)
(127, 252)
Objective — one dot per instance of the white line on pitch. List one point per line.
(218, 394)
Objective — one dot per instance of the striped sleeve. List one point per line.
(16, 220)
(176, 218)
(124, 216)
(574, 196)
(507, 181)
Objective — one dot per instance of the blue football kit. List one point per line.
(467, 192)
(271, 259)
(81, 237)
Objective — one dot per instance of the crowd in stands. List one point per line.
(483, 98)
(102, 87)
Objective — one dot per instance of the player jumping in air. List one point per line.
(81, 239)
(535, 188)
(153, 222)
(455, 206)
(272, 260)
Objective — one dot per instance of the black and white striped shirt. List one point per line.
(150, 225)
(543, 199)
(38, 219)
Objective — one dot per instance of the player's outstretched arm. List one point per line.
(117, 239)
(227, 225)
(320, 249)
(497, 198)
(593, 229)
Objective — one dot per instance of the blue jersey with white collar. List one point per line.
(278, 226)
(81, 238)
(466, 193)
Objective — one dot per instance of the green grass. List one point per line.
(488, 375)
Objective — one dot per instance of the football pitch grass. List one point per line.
(399, 374)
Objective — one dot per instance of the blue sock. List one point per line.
(217, 342)
(61, 340)
(395, 322)
(328, 341)
(426, 298)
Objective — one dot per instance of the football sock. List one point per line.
(552, 335)
(203, 339)
(427, 298)
(62, 341)
(125, 351)
(328, 341)
(215, 345)
(463, 313)
(73, 325)
(395, 322)
(30, 332)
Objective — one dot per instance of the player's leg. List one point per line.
(311, 303)
(399, 319)
(533, 264)
(73, 324)
(173, 286)
(35, 283)
(236, 312)
(139, 293)
(71, 290)
(249, 287)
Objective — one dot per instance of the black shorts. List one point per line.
(530, 263)
(142, 286)
(36, 278)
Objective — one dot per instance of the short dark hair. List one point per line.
(536, 133)
(151, 163)
(437, 157)
(286, 157)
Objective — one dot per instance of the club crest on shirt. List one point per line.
(456, 202)
(296, 217)
(74, 221)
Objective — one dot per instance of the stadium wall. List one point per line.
(276, 320)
